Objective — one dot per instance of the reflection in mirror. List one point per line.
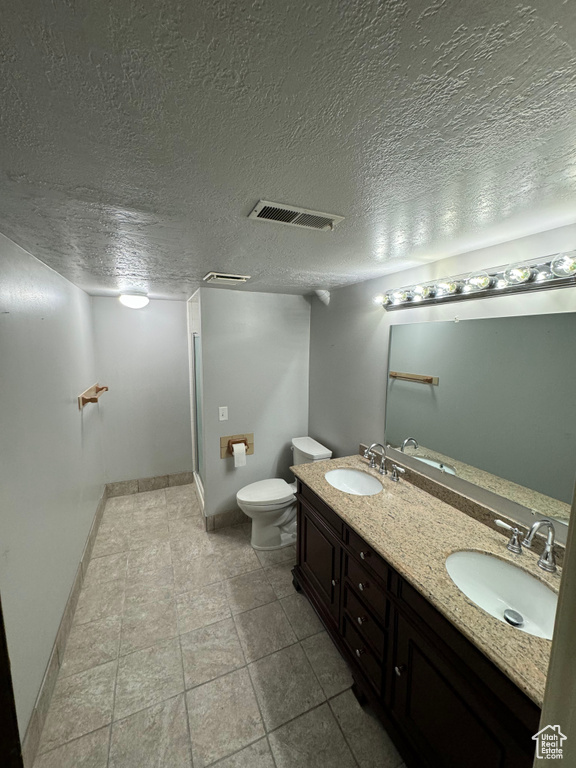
(502, 413)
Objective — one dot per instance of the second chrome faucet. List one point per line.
(369, 453)
(547, 559)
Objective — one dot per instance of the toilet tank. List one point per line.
(307, 450)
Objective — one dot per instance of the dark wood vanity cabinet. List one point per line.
(319, 555)
(443, 702)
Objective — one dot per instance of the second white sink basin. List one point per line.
(437, 465)
(498, 586)
(353, 481)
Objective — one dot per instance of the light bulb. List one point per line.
(499, 281)
(564, 265)
(401, 295)
(518, 274)
(447, 288)
(478, 281)
(543, 273)
(378, 299)
(423, 292)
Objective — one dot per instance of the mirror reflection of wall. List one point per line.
(504, 403)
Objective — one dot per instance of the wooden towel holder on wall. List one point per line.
(91, 395)
(417, 377)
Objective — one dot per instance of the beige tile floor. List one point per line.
(189, 649)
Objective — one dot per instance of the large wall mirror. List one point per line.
(502, 413)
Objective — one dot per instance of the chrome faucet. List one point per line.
(407, 442)
(547, 560)
(369, 454)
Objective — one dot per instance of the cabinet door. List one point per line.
(320, 555)
(440, 714)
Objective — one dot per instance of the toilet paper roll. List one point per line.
(239, 451)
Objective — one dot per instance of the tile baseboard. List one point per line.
(127, 487)
(225, 519)
(31, 740)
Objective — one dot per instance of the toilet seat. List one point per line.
(266, 493)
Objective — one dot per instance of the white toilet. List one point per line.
(271, 503)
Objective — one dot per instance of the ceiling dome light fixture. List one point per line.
(542, 273)
(134, 299)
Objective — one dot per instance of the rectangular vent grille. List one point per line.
(222, 277)
(295, 217)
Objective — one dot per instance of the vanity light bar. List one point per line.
(556, 271)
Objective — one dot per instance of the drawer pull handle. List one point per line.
(359, 652)
(362, 587)
(334, 582)
(400, 670)
(361, 619)
(364, 555)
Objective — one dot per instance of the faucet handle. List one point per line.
(396, 472)
(514, 543)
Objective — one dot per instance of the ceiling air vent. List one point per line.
(222, 277)
(296, 217)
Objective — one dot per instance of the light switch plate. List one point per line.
(223, 413)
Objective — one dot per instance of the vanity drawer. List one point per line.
(368, 556)
(362, 653)
(365, 623)
(365, 585)
(328, 515)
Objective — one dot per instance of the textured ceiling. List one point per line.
(137, 136)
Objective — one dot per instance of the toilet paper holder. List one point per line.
(232, 443)
(227, 443)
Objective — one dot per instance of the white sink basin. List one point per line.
(437, 464)
(496, 585)
(353, 481)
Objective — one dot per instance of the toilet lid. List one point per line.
(273, 491)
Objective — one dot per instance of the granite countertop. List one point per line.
(529, 498)
(415, 532)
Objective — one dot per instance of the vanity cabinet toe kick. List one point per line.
(442, 701)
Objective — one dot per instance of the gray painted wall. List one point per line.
(349, 338)
(255, 354)
(51, 469)
(504, 397)
(142, 355)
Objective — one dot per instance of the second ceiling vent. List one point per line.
(295, 217)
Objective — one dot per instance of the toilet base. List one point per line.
(286, 540)
(273, 530)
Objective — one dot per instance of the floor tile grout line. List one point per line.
(259, 707)
(296, 717)
(271, 751)
(215, 763)
(70, 741)
(280, 600)
(342, 730)
(190, 746)
(253, 690)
